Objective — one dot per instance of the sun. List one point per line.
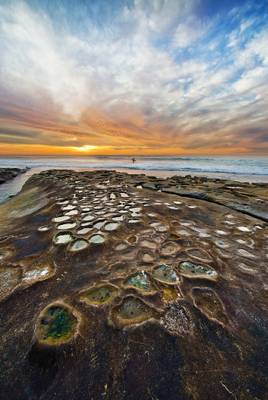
(85, 148)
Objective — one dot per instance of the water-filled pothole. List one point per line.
(99, 295)
(131, 311)
(97, 239)
(79, 245)
(208, 302)
(165, 274)
(111, 226)
(57, 324)
(61, 218)
(192, 270)
(169, 249)
(66, 226)
(140, 281)
(63, 238)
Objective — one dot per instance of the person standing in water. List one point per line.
(133, 160)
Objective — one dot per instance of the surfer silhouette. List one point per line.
(133, 160)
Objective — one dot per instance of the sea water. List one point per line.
(251, 169)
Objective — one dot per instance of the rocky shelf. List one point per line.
(9, 173)
(126, 287)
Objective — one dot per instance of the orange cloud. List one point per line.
(123, 130)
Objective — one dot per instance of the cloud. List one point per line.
(150, 70)
(251, 80)
(246, 24)
(189, 31)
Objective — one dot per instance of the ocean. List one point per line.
(250, 169)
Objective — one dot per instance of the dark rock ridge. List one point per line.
(248, 198)
(9, 173)
(112, 289)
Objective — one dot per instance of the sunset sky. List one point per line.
(155, 77)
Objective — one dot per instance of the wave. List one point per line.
(176, 169)
(188, 169)
(202, 165)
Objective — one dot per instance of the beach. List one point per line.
(147, 275)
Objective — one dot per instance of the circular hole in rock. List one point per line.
(165, 274)
(192, 270)
(96, 239)
(67, 226)
(100, 295)
(56, 325)
(62, 218)
(111, 226)
(139, 280)
(79, 245)
(63, 238)
(169, 249)
(132, 310)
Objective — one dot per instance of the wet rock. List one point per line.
(177, 320)
(83, 307)
(207, 301)
(9, 173)
(10, 277)
(169, 249)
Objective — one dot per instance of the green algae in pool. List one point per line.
(165, 274)
(191, 270)
(56, 325)
(99, 295)
(140, 281)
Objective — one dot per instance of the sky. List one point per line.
(141, 77)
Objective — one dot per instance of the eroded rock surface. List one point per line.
(112, 289)
(248, 198)
(9, 173)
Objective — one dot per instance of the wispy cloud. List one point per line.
(158, 74)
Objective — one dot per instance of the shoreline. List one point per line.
(7, 174)
(149, 172)
(12, 186)
(212, 175)
(244, 169)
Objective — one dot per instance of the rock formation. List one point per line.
(117, 286)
